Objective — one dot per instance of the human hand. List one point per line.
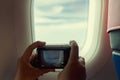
(75, 68)
(25, 71)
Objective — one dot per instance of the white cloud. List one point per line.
(46, 20)
(61, 33)
(54, 11)
(48, 2)
(57, 9)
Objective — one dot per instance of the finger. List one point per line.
(52, 70)
(47, 70)
(33, 57)
(60, 74)
(82, 61)
(43, 71)
(30, 49)
(74, 52)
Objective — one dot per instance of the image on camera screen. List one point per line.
(52, 58)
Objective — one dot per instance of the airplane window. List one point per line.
(59, 21)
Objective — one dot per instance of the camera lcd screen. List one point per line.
(52, 58)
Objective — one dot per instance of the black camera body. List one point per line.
(52, 56)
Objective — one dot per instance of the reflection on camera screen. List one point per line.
(52, 58)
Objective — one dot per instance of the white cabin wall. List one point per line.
(15, 33)
(7, 40)
(22, 23)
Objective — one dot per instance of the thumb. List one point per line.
(74, 52)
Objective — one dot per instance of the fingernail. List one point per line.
(81, 59)
(73, 42)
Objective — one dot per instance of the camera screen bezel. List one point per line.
(64, 48)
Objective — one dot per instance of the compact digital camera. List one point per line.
(52, 56)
